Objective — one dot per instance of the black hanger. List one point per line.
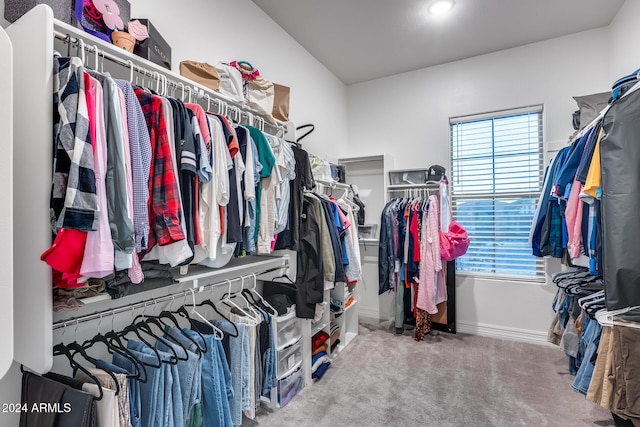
(306, 133)
(169, 315)
(134, 329)
(257, 303)
(284, 276)
(151, 320)
(78, 349)
(212, 305)
(62, 350)
(122, 351)
(145, 327)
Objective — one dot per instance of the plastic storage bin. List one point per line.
(289, 359)
(290, 386)
(288, 333)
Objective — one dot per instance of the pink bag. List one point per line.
(454, 242)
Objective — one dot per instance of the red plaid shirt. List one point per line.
(165, 209)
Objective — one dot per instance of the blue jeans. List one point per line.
(189, 372)
(240, 368)
(216, 385)
(154, 412)
(181, 379)
(590, 338)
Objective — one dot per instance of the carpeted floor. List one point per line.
(383, 379)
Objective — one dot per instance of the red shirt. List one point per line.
(165, 209)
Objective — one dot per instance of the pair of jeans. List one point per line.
(240, 368)
(216, 384)
(590, 340)
(190, 372)
(153, 407)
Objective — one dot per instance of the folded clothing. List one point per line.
(320, 371)
(323, 347)
(318, 360)
(349, 301)
(334, 345)
(319, 339)
(334, 328)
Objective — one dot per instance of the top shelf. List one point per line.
(96, 47)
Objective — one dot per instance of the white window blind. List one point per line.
(496, 179)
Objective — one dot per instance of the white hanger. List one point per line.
(129, 62)
(606, 318)
(97, 57)
(251, 308)
(218, 332)
(81, 49)
(227, 300)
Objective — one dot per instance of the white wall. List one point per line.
(407, 115)
(224, 30)
(625, 36)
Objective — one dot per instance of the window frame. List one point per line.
(539, 276)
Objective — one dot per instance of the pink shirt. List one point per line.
(430, 289)
(98, 258)
(573, 215)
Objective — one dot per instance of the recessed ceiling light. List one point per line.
(439, 7)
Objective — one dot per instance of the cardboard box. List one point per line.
(155, 48)
(62, 9)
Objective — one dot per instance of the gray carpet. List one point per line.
(383, 379)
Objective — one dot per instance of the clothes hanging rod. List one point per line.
(400, 187)
(69, 35)
(154, 301)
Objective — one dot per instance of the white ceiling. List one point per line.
(360, 40)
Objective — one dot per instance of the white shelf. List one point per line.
(353, 304)
(318, 327)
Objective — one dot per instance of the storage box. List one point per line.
(62, 9)
(155, 48)
(289, 359)
(290, 386)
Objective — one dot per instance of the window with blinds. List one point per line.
(496, 179)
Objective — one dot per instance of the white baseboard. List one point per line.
(503, 332)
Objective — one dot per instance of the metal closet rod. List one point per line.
(185, 85)
(153, 301)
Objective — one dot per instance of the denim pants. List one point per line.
(239, 366)
(590, 339)
(154, 411)
(182, 377)
(216, 384)
(190, 372)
